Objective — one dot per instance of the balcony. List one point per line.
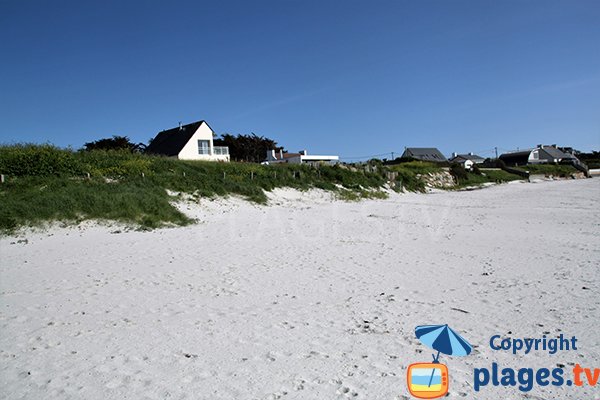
(220, 150)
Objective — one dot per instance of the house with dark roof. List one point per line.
(424, 154)
(302, 157)
(467, 160)
(188, 142)
(539, 155)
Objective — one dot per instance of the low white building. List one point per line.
(302, 157)
(188, 142)
(467, 160)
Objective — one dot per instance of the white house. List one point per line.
(188, 142)
(540, 155)
(467, 160)
(302, 157)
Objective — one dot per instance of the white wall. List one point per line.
(190, 150)
(534, 157)
(294, 160)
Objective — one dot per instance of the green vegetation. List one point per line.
(115, 143)
(480, 176)
(550, 169)
(591, 159)
(45, 183)
(408, 174)
(499, 176)
(249, 148)
(32, 200)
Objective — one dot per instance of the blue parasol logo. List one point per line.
(430, 380)
(443, 339)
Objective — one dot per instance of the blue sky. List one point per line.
(354, 78)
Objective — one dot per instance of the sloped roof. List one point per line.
(554, 152)
(170, 142)
(424, 153)
(520, 157)
(517, 153)
(472, 157)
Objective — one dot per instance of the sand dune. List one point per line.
(303, 299)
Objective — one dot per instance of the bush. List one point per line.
(459, 173)
(409, 174)
(38, 160)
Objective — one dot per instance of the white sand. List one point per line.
(305, 299)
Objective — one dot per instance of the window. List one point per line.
(203, 146)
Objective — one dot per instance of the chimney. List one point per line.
(540, 146)
(281, 154)
(454, 154)
(470, 153)
(271, 155)
(180, 126)
(554, 145)
(302, 152)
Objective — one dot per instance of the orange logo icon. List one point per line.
(427, 380)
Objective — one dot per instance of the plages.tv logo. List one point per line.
(430, 380)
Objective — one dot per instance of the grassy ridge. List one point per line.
(486, 176)
(45, 183)
(32, 200)
(408, 174)
(550, 169)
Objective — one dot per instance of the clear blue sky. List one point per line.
(354, 78)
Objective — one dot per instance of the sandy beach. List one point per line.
(306, 298)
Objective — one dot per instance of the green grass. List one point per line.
(500, 176)
(486, 176)
(549, 169)
(356, 195)
(45, 183)
(32, 200)
(408, 174)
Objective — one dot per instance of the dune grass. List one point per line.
(33, 200)
(485, 176)
(45, 183)
(550, 169)
(408, 174)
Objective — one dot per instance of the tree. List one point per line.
(115, 143)
(251, 148)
